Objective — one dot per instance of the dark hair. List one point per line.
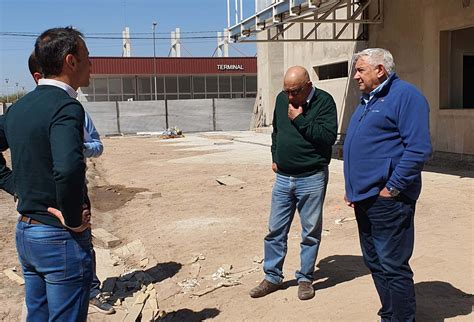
(52, 47)
(33, 64)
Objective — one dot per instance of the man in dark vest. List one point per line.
(304, 130)
(44, 131)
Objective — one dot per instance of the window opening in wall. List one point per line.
(456, 68)
(331, 71)
(468, 81)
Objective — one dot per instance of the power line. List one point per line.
(114, 38)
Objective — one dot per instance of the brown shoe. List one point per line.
(264, 288)
(305, 290)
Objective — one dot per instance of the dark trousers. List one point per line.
(386, 233)
(95, 286)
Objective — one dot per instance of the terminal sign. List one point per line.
(230, 67)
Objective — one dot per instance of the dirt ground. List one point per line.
(195, 215)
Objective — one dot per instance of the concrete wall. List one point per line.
(413, 32)
(271, 69)
(189, 115)
(142, 116)
(104, 115)
(233, 115)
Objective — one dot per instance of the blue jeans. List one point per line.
(57, 267)
(386, 233)
(290, 193)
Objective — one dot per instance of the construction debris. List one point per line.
(342, 220)
(229, 180)
(195, 270)
(195, 258)
(216, 287)
(104, 239)
(10, 273)
(188, 284)
(133, 254)
(171, 133)
(148, 195)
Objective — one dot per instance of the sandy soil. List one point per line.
(226, 224)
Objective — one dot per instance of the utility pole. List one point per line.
(16, 84)
(154, 59)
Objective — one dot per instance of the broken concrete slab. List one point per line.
(148, 195)
(141, 298)
(195, 270)
(104, 239)
(148, 315)
(10, 273)
(133, 248)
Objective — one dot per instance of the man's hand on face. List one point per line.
(294, 112)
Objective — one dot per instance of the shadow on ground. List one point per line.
(437, 301)
(129, 284)
(334, 270)
(190, 316)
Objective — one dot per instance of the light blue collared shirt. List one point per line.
(366, 98)
(93, 147)
(310, 95)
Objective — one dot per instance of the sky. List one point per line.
(101, 20)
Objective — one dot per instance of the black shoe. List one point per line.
(99, 304)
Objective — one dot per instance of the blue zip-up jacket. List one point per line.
(387, 142)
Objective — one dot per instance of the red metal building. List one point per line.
(134, 78)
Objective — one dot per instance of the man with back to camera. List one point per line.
(93, 148)
(386, 146)
(304, 130)
(44, 131)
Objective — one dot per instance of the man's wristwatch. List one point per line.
(393, 191)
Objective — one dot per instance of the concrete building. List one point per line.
(432, 42)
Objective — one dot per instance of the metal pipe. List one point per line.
(241, 11)
(228, 13)
(154, 59)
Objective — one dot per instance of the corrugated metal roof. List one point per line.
(173, 66)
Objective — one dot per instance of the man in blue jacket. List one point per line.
(387, 144)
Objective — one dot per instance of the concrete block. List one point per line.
(13, 276)
(148, 195)
(104, 238)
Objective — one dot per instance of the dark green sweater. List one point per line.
(44, 131)
(6, 177)
(303, 146)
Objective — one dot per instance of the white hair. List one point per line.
(377, 56)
